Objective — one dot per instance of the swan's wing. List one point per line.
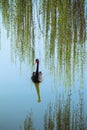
(40, 76)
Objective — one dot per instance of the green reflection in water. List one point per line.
(63, 26)
(65, 115)
(65, 20)
(28, 123)
(64, 23)
(17, 18)
(68, 116)
(62, 115)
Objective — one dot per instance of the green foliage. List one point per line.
(18, 21)
(61, 23)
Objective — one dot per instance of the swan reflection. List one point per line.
(37, 86)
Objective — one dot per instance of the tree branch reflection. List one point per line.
(63, 26)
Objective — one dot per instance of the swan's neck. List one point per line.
(37, 69)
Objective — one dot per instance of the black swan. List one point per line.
(37, 76)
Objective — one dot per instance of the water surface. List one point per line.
(55, 32)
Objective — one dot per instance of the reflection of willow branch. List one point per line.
(79, 23)
(38, 15)
(18, 20)
(28, 123)
(65, 30)
(0, 25)
(64, 116)
(5, 14)
(25, 29)
(38, 91)
(49, 119)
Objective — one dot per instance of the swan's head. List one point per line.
(37, 61)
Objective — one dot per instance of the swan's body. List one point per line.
(37, 76)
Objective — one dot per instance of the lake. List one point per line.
(55, 32)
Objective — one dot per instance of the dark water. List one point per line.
(56, 33)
